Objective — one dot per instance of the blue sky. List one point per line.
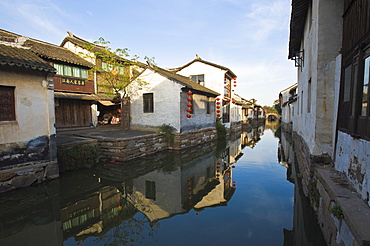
(250, 37)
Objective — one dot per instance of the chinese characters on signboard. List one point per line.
(69, 81)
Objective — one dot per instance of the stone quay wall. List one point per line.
(26, 174)
(140, 146)
(343, 216)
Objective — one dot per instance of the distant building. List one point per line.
(288, 103)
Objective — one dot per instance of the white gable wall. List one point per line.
(166, 98)
(213, 77)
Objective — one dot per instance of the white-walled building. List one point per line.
(217, 78)
(315, 43)
(27, 131)
(165, 100)
(288, 102)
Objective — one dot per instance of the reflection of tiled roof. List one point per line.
(198, 59)
(47, 51)
(22, 57)
(184, 80)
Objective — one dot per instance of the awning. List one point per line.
(108, 103)
(81, 96)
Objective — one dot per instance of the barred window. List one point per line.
(148, 103)
(7, 103)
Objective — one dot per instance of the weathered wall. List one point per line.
(28, 144)
(328, 189)
(321, 45)
(353, 159)
(131, 148)
(199, 119)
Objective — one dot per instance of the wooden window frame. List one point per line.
(148, 103)
(7, 103)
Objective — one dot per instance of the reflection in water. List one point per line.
(306, 230)
(142, 201)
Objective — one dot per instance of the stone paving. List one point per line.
(75, 135)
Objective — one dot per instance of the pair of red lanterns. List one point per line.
(190, 105)
(234, 81)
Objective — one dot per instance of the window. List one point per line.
(150, 192)
(148, 103)
(208, 106)
(365, 89)
(65, 70)
(309, 96)
(301, 102)
(198, 79)
(7, 103)
(354, 115)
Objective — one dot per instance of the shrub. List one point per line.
(167, 131)
(76, 157)
(221, 129)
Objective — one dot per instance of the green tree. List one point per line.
(277, 106)
(118, 73)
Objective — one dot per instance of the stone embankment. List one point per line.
(114, 144)
(344, 218)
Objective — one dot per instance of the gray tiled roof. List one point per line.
(198, 59)
(49, 51)
(184, 80)
(22, 57)
(297, 23)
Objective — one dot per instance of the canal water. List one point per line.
(243, 192)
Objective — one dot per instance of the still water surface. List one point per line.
(233, 194)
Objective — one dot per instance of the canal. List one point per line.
(243, 192)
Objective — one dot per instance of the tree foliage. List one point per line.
(117, 72)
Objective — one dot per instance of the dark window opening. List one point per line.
(150, 190)
(148, 103)
(7, 103)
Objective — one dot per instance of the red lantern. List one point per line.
(233, 101)
(190, 93)
(218, 103)
(218, 111)
(189, 110)
(227, 100)
(234, 85)
(190, 99)
(218, 99)
(190, 105)
(188, 116)
(218, 115)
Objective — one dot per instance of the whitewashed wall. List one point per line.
(213, 77)
(214, 80)
(353, 158)
(166, 98)
(33, 103)
(321, 45)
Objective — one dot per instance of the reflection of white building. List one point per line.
(235, 150)
(251, 138)
(199, 183)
